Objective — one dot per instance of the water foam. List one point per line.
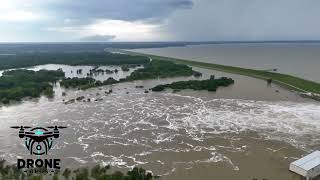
(125, 130)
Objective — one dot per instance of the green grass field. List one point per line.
(288, 81)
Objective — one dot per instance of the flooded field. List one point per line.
(245, 131)
(71, 71)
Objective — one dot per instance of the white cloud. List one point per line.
(122, 30)
(164, 20)
(19, 16)
(97, 38)
(247, 20)
(18, 11)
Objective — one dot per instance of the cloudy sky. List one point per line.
(158, 20)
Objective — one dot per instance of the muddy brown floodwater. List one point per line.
(244, 131)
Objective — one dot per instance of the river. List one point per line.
(244, 131)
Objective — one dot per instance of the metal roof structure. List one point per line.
(308, 162)
(308, 166)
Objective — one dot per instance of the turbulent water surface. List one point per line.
(182, 135)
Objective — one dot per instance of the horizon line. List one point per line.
(187, 42)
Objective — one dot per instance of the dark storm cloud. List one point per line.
(246, 20)
(173, 20)
(98, 38)
(81, 11)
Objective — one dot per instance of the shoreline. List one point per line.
(287, 82)
(184, 157)
(305, 87)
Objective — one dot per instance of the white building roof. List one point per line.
(308, 162)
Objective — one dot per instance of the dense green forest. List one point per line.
(97, 173)
(210, 84)
(13, 48)
(161, 69)
(85, 83)
(16, 84)
(77, 82)
(152, 70)
(69, 58)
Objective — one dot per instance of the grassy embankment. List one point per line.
(289, 81)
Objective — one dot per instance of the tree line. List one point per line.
(209, 84)
(161, 69)
(152, 70)
(69, 58)
(97, 173)
(17, 84)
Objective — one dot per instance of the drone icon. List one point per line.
(38, 140)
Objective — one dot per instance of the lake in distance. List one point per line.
(299, 59)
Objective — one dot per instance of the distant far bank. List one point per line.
(301, 60)
(18, 47)
(163, 42)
